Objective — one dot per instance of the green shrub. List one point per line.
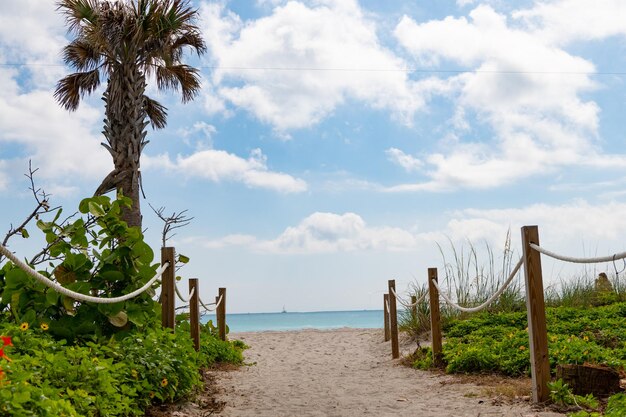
(45, 377)
(616, 406)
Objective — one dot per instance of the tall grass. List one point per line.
(471, 275)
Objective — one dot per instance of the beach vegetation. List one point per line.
(64, 357)
(586, 318)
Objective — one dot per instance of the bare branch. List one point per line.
(42, 206)
(175, 221)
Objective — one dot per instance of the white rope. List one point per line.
(578, 260)
(387, 304)
(216, 304)
(489, 301)
(407, 304)
(180, 296)
(76, 295)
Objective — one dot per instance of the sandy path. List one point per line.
(345, 372)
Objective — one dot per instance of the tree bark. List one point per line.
(125, 131)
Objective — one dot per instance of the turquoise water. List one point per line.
(256, 322)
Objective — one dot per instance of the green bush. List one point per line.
(616, 406)
(45, 377)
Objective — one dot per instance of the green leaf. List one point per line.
(15, 279)
(183, 259)
(68, 304)
(119, 320)
(24, 233)
(52, 297)
(44, 226)
(136, 315)
(111, 309)
(112, 276)
(96, 210)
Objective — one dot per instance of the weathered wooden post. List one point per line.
(194, 312)
(414, 308)
(435, 318)
(536, 312)
(221, 314)
(168, 288)
(393, 320)
(386, 314)
(217, 318)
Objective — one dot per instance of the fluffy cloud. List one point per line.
(526, 90)
(54, 139)
(30, 120)
(216, 165)
(324, 233)
(329, 232)
(408, 162)
(565, 21)
(315, 46)
(565, 228)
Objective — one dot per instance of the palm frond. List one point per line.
(82, 55)
(179, 76)
(78, 11)
(71, 88)
(157, 113)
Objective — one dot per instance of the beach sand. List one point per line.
(345, 372)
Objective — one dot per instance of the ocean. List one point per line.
(256, 322)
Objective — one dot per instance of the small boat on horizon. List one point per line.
(284, 311)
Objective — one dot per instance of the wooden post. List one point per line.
(221, 314)
(435, 318)
(536, 312)
(414, 308)
(194, 312)
(386, 314)
(393, 320)
(217, 318)
(168, 288)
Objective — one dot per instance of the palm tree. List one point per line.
(127, 42)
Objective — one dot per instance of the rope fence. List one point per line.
(165, 273)
(406, 303)
(535, 306)
(563, 258)
(183, 299)
(490, 300)
(76, 295)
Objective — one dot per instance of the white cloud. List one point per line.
(56, 140)
(565, 21)
(560, 226)
(32, 33)
(330, 232)
(325, 38)
(216, 165)
(408, 162)
(519, 85)
(227, 241)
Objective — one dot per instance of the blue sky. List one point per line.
(336, 142)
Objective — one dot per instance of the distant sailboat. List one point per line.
(284, 311)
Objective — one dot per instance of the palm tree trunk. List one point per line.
(125, 131)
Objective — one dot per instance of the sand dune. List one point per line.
(346, 372)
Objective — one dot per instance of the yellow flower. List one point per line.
(24, 326)
(164, 382)
(522, 347)
(44, 326)
(586, 338)
(151, 394)
(133, 372)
